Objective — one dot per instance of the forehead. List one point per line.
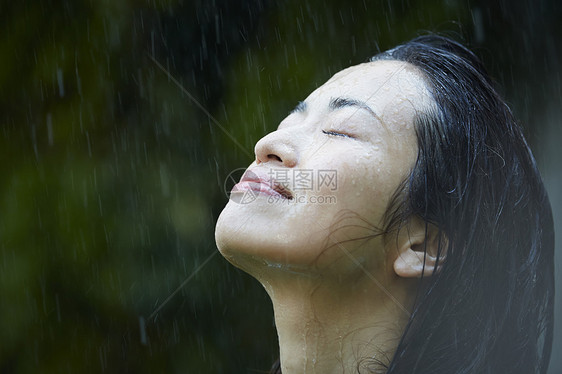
(375, 83)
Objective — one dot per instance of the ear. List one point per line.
(417, 250)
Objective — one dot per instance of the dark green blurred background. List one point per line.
(112, 176)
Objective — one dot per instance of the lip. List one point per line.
(260, 181)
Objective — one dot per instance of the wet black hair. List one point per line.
(490, 307)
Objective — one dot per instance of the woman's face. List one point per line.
(327, 174)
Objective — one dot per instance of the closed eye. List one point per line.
(334, 133)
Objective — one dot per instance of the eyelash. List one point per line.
(334, 133)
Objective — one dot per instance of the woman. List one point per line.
(434, 253)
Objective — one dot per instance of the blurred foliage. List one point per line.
(112, 176)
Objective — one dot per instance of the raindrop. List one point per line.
(478, 25)
(49, 121)
(142, 326)
(60, 82)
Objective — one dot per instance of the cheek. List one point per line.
(367, 180)
(366, 183)
(355, 220)
(363, 183)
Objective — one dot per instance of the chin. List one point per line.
(253, 243)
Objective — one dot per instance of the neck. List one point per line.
(326, 327)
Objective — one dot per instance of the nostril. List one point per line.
(271, 155)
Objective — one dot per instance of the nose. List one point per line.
(277, 147)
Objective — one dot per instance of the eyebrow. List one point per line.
(339, 103)
(343, 102)
(301, 107)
